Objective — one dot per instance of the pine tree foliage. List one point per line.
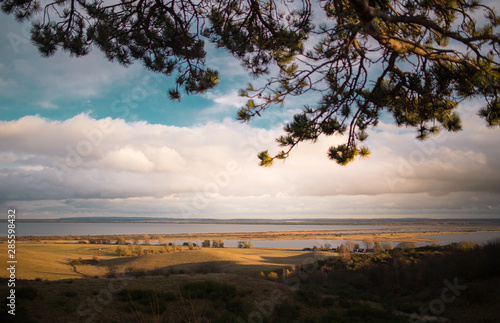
(416, 59)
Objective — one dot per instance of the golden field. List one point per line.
(53, 261)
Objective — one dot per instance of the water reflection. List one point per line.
(480, 237)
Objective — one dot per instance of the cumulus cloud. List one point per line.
(113, 166)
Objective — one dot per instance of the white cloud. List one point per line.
(127, 158)
(230, 99)
(224, 104)
(212, 170)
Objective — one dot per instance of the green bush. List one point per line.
(216, 316)
(69, 293)
(138, 294)
(364, 313)
(26, 292)
(143, 298)
(210, 290)
(331, 316)
(308, 294)
(237, 305)
(286, 313)
(344, 303)
(327, 301)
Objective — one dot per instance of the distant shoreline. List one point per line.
(396, 235)
(358, 235)
(304, 221)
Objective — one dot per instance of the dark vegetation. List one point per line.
(210, 267)
(137, 249)
(458, 283)
(199, 301)
(245, 244)
(215, 243)
(141, 299)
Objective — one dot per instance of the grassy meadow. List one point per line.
(53, 261)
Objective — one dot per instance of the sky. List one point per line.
(87, 137)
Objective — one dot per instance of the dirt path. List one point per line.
(79, 273)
